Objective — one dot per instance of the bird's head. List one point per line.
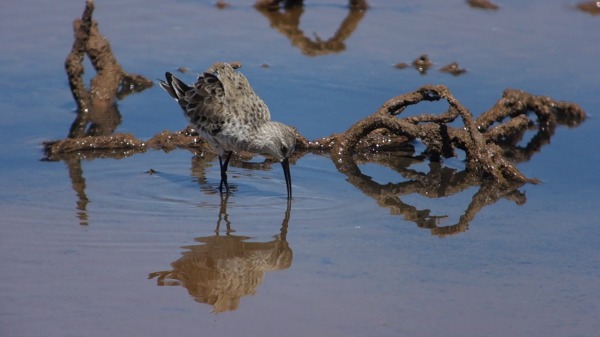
(279, 143)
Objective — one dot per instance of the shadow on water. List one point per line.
(222, 269)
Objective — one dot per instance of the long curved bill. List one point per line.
(288, 178)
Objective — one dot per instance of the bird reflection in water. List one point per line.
(224, 268)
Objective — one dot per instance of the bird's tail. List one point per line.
(174, 86)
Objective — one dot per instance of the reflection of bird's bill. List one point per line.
(288, 178)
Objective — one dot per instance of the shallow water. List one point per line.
(84, 244)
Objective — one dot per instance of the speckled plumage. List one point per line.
(225, 110)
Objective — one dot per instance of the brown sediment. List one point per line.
(591, 7)
(453, 68)
(97, 143)
(483, 4)
(401, 65)
(422, 64)
(221, 4)
(515, 104)
(491, 143)
(103, 146)
(168, 140)
(487, 150)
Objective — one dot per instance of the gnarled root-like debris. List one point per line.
(97, 113)
(123, 144)
(491, 143)
(484, 145)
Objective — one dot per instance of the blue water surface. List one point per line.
(78, 257)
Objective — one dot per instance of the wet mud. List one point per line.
(453, 68)
(422, 64)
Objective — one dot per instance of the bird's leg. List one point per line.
(224, 172)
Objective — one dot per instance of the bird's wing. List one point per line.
(202, 103)
(237, 95)
(220, 96)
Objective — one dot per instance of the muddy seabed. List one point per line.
(444, 178)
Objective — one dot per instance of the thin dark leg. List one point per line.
(224, 172)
